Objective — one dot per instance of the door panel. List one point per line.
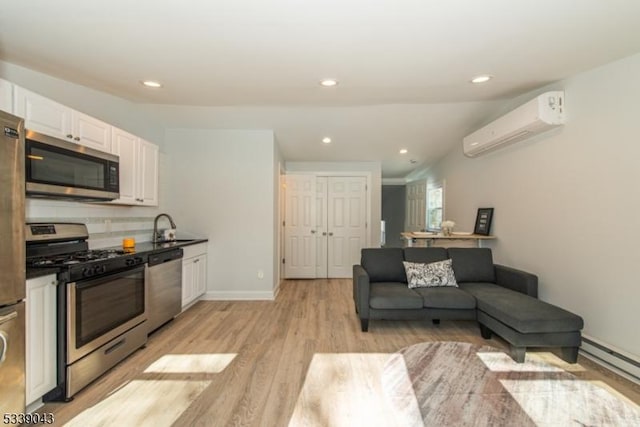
(347, 224)
(325, 225)
(300, 227)
(416, 206)
(321, 227)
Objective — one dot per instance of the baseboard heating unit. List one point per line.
(619, 361)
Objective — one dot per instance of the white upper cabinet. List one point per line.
(125, 145)
(138, 169)
(149, 158)
(6, 96)
(43, 115)
(91, 132)
(138, 158)
(50, 118)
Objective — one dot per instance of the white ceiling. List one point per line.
(403, 65)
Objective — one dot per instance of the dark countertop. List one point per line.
(149, 247)
(144, 248)
(32, 273)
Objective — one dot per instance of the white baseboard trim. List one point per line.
(239, 295)
(622, 363)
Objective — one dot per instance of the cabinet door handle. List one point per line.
(69, 136)
(324, 233)
(196, 260)
(330, 234)
(77, 138)
(313, 231)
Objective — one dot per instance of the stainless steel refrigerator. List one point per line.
(12, 265)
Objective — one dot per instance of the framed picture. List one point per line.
(483, 221)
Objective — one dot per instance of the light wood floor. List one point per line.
(300, 360)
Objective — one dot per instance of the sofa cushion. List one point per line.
(434, 274)
(425, 255)
(384, 264)
(521, 312)
(481, 288)
(472, 264)
(446, 297)
(393, 295)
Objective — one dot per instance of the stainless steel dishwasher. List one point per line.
(164, 290)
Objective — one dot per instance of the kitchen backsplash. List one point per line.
(107, 224)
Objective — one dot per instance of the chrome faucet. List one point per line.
(156, 237)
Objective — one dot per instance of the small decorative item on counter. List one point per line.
(129, 244)
(447, 227)
(169, 234)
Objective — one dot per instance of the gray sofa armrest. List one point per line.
(361, 291)
(517, 280)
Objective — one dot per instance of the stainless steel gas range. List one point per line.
(101, 303)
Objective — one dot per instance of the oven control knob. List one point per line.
(100, 269)
(130, 261)
(86, 272)
(138, 260)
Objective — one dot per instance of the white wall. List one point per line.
(375, 187)
(222, 185)
(567, 203)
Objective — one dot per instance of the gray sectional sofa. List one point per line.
(503, 300)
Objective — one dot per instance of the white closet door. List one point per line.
(300, 227)
(321, 227)
(346, 223)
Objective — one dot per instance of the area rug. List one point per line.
(461, 384)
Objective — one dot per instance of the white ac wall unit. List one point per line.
(542, 113)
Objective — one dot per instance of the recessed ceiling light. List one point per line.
(326, 140)
(151, 83)
(404, 151)
(481, 79)
(328, 82)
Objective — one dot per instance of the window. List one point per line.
(435, 205)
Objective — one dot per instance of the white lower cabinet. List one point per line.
(194, 273)
(41, 337)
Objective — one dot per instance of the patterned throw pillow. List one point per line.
(430, 275)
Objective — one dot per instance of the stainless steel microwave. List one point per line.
(64, 170)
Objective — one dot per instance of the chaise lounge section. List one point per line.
(503, 300)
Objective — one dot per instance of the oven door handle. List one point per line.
(10, 316)
(82, 284)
